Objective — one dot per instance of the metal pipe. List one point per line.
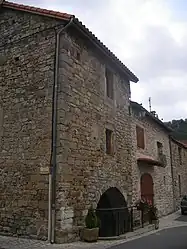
(52, 173)
(49, 208)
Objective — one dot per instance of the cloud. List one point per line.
(149, 36)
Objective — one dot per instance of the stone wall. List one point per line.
(179, 169)
(84, 170)
(162, 176)
(26, 81)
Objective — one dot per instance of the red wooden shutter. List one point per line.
(140, 137)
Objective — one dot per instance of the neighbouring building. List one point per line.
(152, 170)
(65, 140)
(179, 166)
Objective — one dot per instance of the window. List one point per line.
(109, 83)
(140, 137)
(109, 141)
(164, 180)
(180, 154)
(160, 148)
(179, 181)
(16, 58)
(78, 56)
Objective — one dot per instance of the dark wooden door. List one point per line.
(147, 192)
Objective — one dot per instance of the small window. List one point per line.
(164, 180)
(109, 83)
(180, 154)
(140, 137)
(160, 148)
(16, 58)
(109, 141)
(78, 56)
(179, 181)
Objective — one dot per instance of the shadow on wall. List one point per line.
(113, 214)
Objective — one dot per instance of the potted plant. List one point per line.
(142, 205)
(153, 216)
(91, 231)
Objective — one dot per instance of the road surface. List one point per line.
(172, 238)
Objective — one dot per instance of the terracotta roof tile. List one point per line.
(148, 159)
(50, 13)
(183, 143)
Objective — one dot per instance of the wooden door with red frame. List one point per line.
(147, 190)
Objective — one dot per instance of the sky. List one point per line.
(148, 36)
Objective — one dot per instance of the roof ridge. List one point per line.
(37, 10)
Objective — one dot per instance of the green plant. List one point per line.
(142, 205)
(91, 219)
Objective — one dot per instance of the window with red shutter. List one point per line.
(140, 137)
(109, 141)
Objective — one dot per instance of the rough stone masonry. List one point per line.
(161, 175)
(85, 115)
(84, 170)
(26, 79)
(179, 165)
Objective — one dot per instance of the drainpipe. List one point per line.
(52, 173)
(172, 172)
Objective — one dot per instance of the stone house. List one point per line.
(179, 170)
(152, 172)
(64, 115)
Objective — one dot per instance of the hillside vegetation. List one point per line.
(180, 129)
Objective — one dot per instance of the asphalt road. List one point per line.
(172, 238)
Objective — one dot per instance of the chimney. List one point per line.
(153, 113)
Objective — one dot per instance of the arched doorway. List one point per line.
(147, 192)
(113, 213)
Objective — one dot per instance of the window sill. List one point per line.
(110, 102)
(110, 154)
(140, 148)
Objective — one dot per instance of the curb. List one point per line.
(166, 222)
(128, 235)
(141, 231)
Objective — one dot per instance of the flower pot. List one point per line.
(156, 223)
(90, 235)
